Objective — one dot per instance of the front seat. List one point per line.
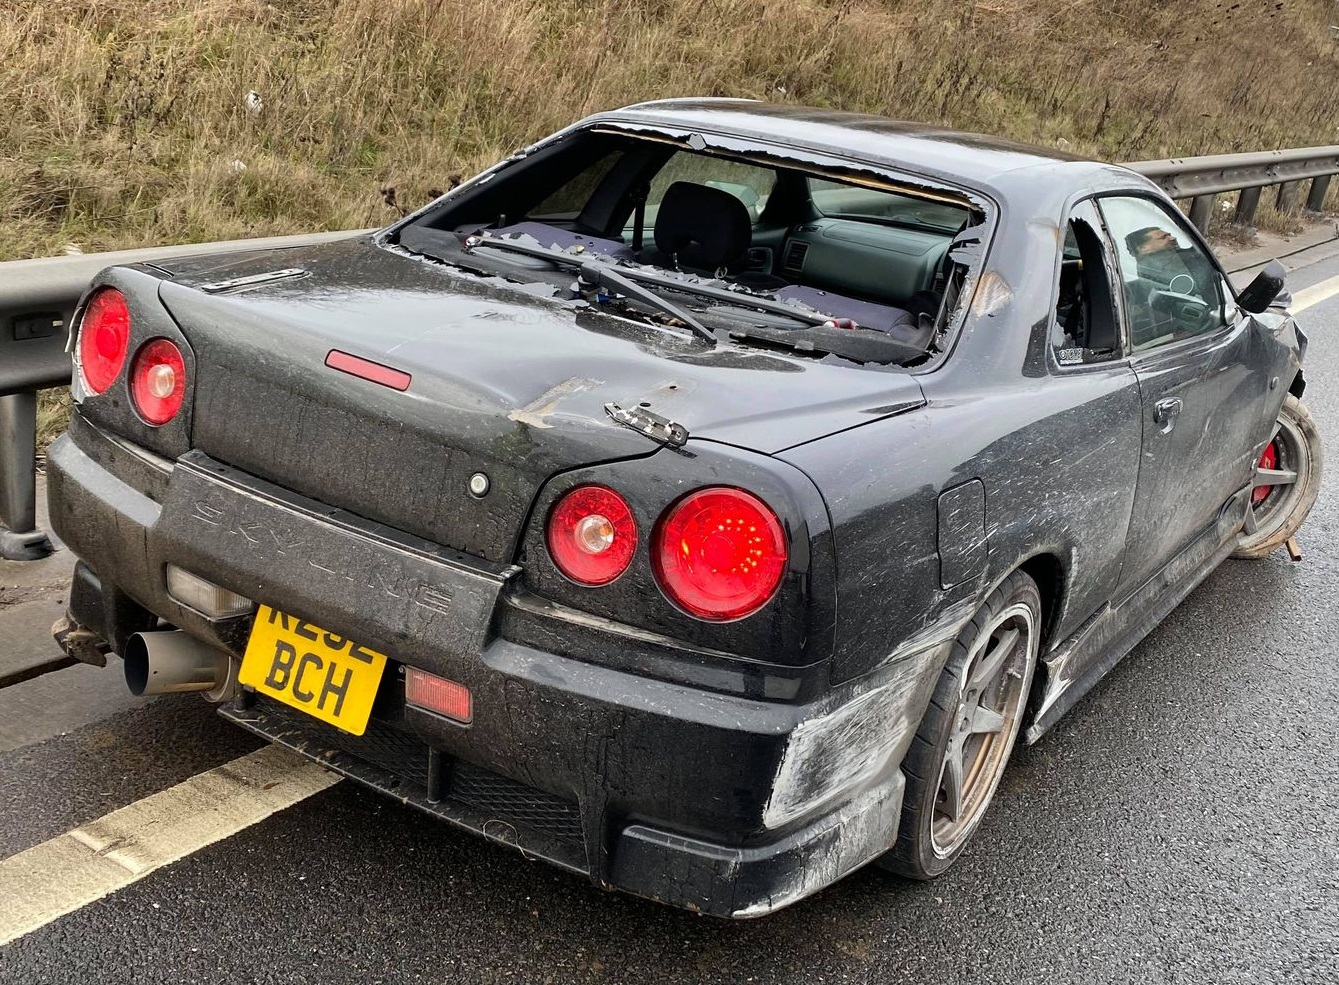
(699, 229)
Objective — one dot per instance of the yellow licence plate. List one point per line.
(325, 675)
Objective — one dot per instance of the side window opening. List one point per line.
(1084, 329)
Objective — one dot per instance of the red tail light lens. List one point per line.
(719, 553)
(158, 381)
(592, 535)
(104, 337)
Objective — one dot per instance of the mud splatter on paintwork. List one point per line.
(349, 505)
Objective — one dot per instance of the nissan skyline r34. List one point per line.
(704, 499)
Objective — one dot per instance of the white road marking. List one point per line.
(1314, 295)
(96, 859)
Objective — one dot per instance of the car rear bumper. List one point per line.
(727, 803)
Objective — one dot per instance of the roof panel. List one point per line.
(975, 158)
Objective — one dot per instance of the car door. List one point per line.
(1202, 382)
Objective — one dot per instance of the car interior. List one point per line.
(869, 255)
(1085, 318)
(1171, 287)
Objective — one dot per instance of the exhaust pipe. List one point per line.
(170, 662)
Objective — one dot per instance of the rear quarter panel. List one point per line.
(1057, 464)
(1056, 451)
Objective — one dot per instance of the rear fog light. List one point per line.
(437, 694)
(203, 596)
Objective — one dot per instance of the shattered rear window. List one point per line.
(821, 261)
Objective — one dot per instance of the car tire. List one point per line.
(1278, 508)
(968, 731)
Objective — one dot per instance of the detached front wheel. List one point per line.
(960, 750)
(1287, 481)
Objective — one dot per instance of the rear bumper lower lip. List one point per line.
(674, 787)
(692, 873)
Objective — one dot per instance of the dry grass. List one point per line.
(53, 415)
(121, 120)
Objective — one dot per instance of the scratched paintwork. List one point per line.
(727, 768)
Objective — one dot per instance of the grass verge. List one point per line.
(126, 122)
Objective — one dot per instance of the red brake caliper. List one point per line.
(1268, 460)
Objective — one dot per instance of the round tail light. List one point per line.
(592, 535)
(158, 381)
(104, 337)
(719, 553)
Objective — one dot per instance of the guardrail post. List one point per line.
(1201, 211)
(1315, 202)
(18, 480)
(1247, 203)
(1287, 200)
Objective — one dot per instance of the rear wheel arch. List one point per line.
(1048, 572)
(963, 742)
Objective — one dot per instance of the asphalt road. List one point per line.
(1180, 825)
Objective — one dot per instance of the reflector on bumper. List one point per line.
(437, 694)
(204, 596)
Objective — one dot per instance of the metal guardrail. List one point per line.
(1202, 179)
(38, 298)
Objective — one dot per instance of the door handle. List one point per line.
(1165, 413)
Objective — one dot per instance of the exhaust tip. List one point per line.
(136, 661)
(170, 661)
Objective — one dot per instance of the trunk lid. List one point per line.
(505, 381)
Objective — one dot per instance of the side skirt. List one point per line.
(1102, 641)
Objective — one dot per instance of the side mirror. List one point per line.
(1262, 291)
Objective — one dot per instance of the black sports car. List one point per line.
(703, 499)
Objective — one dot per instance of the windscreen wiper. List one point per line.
(595, 274)
(822, 335)
(737, 298)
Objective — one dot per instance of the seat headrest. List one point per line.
(704, 227)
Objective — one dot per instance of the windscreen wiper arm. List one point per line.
(593, 274)
(739, 299)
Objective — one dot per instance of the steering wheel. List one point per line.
(1187, 312)
(1185, 288)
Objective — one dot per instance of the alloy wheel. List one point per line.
(1275, 486)
(992, 698)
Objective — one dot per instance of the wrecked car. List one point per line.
(705, 499)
